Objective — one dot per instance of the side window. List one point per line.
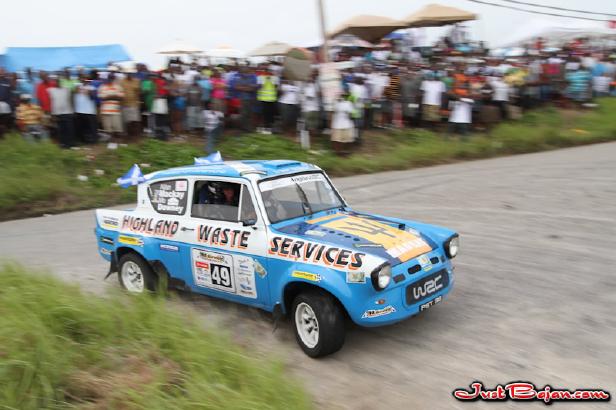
(169, 197)
(247, 208)
(216, 200)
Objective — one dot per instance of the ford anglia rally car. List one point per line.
(277, 235)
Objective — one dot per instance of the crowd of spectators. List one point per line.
(454, 93)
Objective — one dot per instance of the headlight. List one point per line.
(452, 246)
(381, 277)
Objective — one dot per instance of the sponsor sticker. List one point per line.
(312, 232)
(110, 222)
(181, 185)
(378, 312)
(259, 269)
(289, 181)
(130, 240)
(105, 251)
(424, 262)
(107, 240)
(313, 277)
(245, 275)
(170, 248)
(355, 277)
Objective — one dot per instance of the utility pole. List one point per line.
(324, 48)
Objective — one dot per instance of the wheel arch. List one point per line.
(294, 288)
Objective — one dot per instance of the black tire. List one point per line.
(330, 320)
(149, 277)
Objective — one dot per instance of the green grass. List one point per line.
(62, 349)
(41, 178)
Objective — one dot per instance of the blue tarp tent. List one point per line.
(56, 58)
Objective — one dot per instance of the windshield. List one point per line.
(298, 195)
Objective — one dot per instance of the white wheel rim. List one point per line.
(307, 325)
(132, 278)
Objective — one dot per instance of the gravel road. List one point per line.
(535, 291)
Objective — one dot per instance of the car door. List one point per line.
(225, 243)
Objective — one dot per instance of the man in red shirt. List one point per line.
(42, 94)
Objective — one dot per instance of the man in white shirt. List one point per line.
(461, 115)
(310, 106)
(289, 104)
(501, 94)
(62, 110)
(85, 112)
(433, 90)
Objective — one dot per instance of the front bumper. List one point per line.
(408, 297)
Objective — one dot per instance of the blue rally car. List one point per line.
(277, 235)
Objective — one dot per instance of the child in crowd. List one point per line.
(30, 118)
(213, 126)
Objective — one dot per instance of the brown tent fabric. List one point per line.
(298, 64)
(435, 15)
(367, 27)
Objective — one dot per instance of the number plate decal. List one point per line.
(213, 270)
(224, 272)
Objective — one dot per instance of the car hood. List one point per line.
(389, 239)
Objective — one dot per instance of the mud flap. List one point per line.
(113, 265)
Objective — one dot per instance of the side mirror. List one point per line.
(249, 222)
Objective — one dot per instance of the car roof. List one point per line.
(235, 169)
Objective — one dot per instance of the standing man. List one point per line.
(62, 110)
(6, 94)
(111, 96)
(85, 112)
(245, 86)
(267, 95)
(194, 115)
(131, 104)
(433, 90)
(289, 100)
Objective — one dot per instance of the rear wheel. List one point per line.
(318, 323)
(135, 274)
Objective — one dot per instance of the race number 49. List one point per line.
(221, 275)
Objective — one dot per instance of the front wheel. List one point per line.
(319, 323)
(135, 274)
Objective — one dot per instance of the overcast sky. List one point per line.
(144, 26)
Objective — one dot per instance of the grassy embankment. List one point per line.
(41, 178)
(61, 349)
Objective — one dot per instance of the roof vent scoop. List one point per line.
(281, 163)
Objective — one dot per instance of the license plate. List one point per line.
(431, 303)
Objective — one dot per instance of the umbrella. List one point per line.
(225, 51)
(367, 27)
(179, 48)
(435, 15)
(349, 40)
(274, 48)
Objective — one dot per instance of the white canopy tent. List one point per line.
(225, 51)
(179, 48)
(554, 34)
(274, 48)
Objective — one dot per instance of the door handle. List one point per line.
(184, 229)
